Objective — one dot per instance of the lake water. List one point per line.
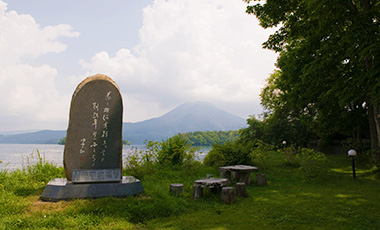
(14, 156)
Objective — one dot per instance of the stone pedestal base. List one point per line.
(260, 179)
(228, 195)
(176, 189)
(197, 192)
(241, 189)
(61, 189)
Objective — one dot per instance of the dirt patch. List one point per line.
(143, 197)
(46, 207)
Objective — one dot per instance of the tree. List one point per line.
(329, 59)
(254, 131)
(208, 138)
(284, 121)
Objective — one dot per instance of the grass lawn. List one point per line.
(330, 200)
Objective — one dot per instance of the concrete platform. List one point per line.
(60, 189)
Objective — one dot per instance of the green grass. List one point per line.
(330, 200)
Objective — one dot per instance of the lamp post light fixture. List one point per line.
(283, 145)
(352, 154)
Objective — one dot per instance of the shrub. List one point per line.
(290, 154)
(142, 162)
(175, 151)
(261, 153)
(308, 159)
(214, 158)
(227, 154)
(366, 155)
(366, 158)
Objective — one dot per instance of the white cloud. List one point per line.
(28, 92)
(191, 50)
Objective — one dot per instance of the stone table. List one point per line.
(215, 184)
(242, 172)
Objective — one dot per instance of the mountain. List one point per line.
(40, 137)
(188, 117)
(19, 132)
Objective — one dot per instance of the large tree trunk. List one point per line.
(376, 117)
(374, 128)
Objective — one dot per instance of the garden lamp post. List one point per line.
(283, 145)
(352, 154)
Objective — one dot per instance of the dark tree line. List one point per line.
(209, 138)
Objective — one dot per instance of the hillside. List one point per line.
(188, 117)
(40, 137)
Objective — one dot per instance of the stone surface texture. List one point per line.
(261, 179)
(197, 191)
(176, 189)
(241, 190)
(93, 149)
(240, 172)
(94, 135)
(228, 195)
(62, 189)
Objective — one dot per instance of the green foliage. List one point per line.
(36, 172)
(286, 124)
(175, 151)
(328, 79)
(282, 119)
(41, 170)
(290, 153)
(271, 95)
(365, 155)
(62, 141)
(261, 153)
(214, 158)
(125, 142)
(309, 159)
(142, 162)
(27, 181)
(227, 154)
(254, 131)
(275, 128)
(367, 159)
(251, 144)
(208, 138)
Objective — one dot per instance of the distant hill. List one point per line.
(188, 117)
(40, 137)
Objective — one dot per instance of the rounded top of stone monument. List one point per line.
(96, 77)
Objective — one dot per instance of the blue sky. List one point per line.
(161, 53)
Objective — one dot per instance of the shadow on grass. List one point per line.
(24, 192)
(360, 173)
(138, 209)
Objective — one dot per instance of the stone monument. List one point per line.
(93, 149)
